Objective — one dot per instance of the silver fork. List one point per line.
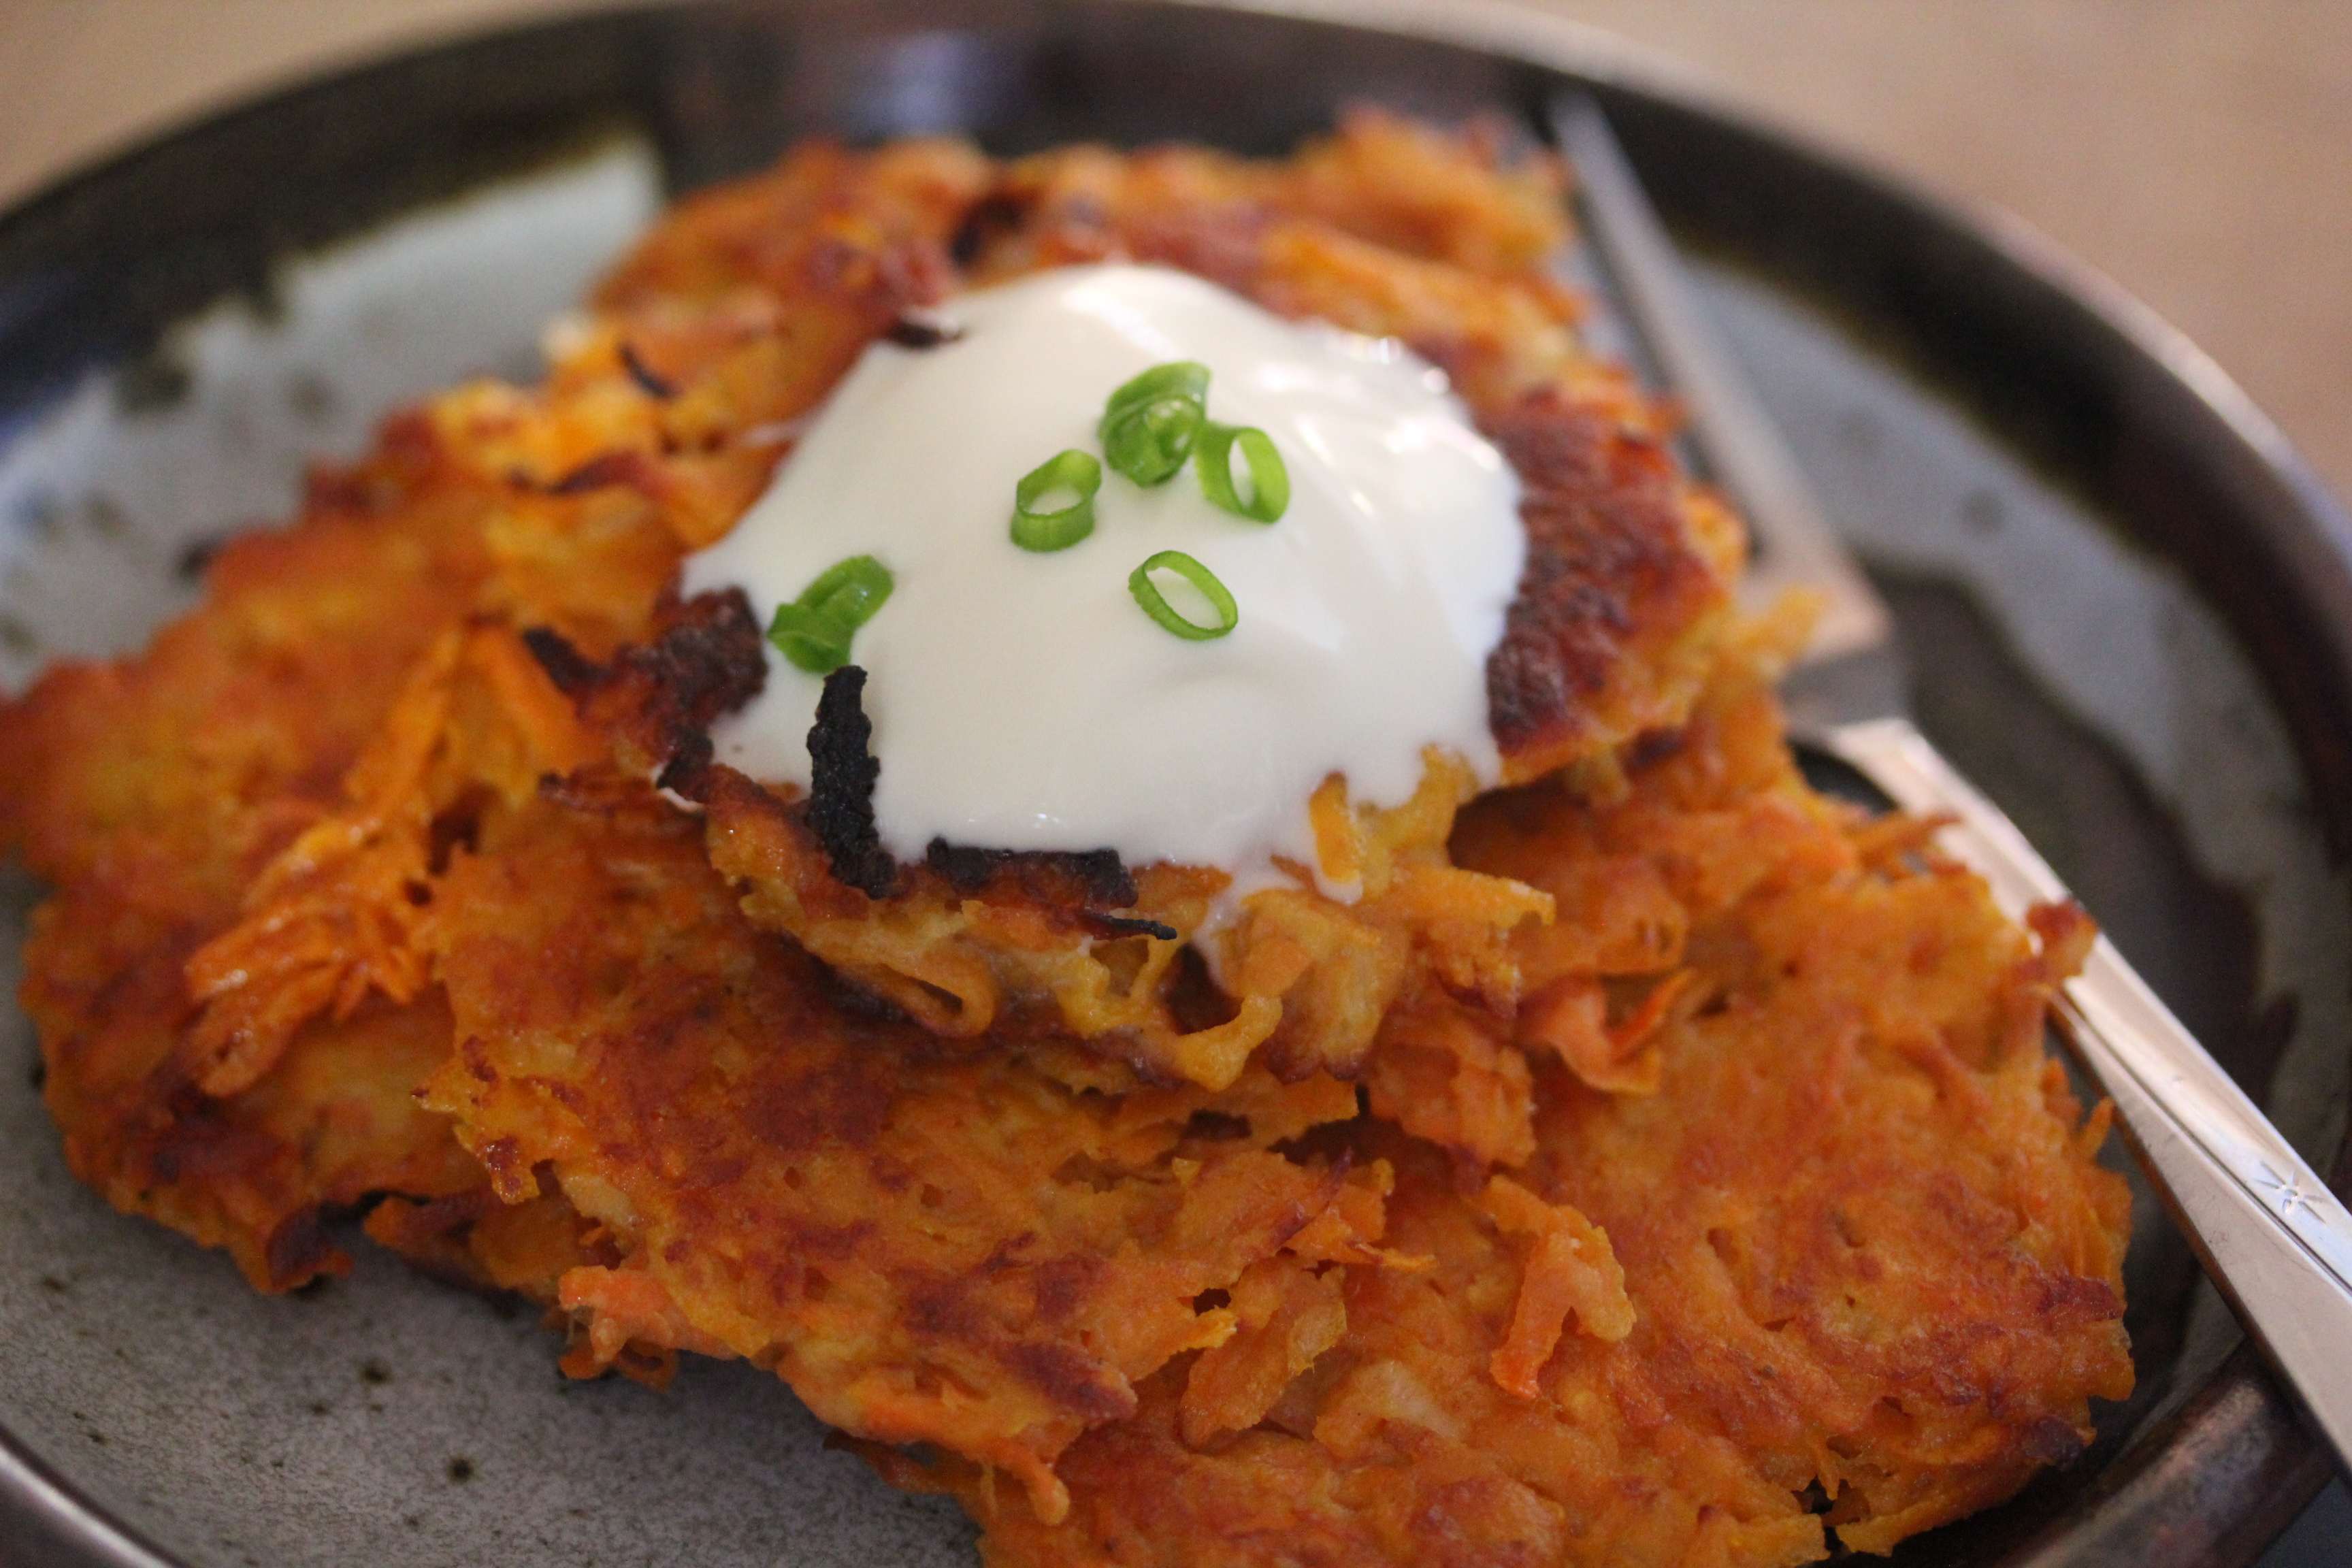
(2271, 1234)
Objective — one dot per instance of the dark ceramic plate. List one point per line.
(2130, 608)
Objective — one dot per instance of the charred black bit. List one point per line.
(1100, 873)
(710, 659)
(1106, 880)
(1096, 876)
(653, 384)
(911, 331)
(842, 771)
(684, 772)
(571, 670)
(1128, 925)
(998, 213)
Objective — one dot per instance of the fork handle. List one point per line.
(2271, 1234)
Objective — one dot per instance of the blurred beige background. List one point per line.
(2199, 151)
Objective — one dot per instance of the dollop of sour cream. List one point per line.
(1025, 701)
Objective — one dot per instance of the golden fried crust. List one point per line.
(1607, 638)
(1885, 1259)
(150, 794)
(240, 822)
(257, 1175)
(826, 222)
(930, 1245)
(1397, 1447)
(1862, 1239)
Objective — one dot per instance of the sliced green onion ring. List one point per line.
(809, 640)
(1150, 423)
(1183, 378)
(1212, 454)
(1149, 443)
(1071, 470)
(850, 590)
(814, 630)
(1146, 593)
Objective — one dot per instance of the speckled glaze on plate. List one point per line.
(2129, 608)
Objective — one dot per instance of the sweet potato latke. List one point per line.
(1657, 1165)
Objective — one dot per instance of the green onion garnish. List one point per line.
(1212, 454)
(1146, 593)
(1071, 470)
(1148, 425)
(814, 630)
